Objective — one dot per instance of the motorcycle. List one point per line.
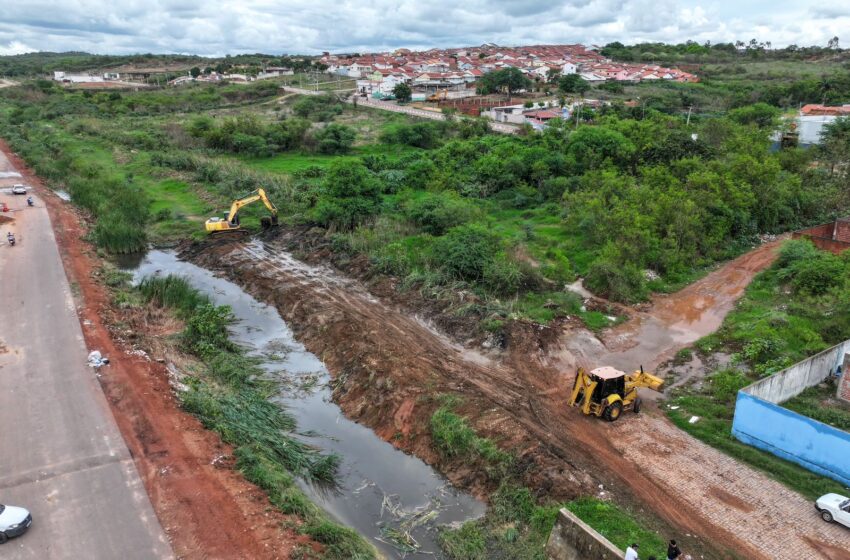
(11, 238)
(29, 201)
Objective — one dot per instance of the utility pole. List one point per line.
(688, 123)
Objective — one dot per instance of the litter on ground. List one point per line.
(96, 359)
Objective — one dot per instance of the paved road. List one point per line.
(61, 454)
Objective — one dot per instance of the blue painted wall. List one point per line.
(812, 444)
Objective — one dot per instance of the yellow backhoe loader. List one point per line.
(230, 222)
(607, 392)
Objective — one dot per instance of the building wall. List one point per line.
(572, 539)
(833, 237)
(792, 381)
(811, 127)
(786, 434)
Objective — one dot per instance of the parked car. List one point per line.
(834, 508)
(19, 189)
(14, 521)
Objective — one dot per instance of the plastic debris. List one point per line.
(96, 359)
(693, 420)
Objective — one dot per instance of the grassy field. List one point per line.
(778, 322)
(820, 403)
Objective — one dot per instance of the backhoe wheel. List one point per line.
(613, 411)
(637, 405)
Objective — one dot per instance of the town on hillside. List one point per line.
(458, 69)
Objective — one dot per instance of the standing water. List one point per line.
(393, 498)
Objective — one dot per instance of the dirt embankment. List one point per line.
(206, 507)
(388, 364)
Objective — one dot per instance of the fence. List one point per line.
(760, 421)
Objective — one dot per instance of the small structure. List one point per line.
(814, 117)
(760, 421)
(573, 539)
(833, 237)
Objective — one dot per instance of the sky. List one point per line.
(219, 27)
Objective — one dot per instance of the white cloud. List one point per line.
(15, 47)
(217, 27)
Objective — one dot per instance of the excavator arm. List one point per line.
(238, 204)
(640, 378)
(231, 221)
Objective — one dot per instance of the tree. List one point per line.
(334, 139)
(832, 44)
(573, 83)
(402, 92)
(350, 195)
(195, 71)
(509, 80)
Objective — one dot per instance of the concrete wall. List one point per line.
(809, 443)
(792, 381)
(843, 391)
(572, 539)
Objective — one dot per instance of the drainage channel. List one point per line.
(383, 493)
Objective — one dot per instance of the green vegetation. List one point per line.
(509, 80)
(820, 403)
(798, 307)
(517, 525)
(454, 438)
(230, 398)
(617, 526)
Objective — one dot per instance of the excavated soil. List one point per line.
(388, 364)
(207, 509)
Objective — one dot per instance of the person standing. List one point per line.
(631, 552)
(673, 551)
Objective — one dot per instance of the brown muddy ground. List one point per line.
(388, 365)
(205, 506)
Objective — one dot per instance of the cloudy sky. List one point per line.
(217, 27)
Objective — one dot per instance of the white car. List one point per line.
(14, 521)
(19, 189)
(834, 507)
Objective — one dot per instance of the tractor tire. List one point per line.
(613, 411)
(637, 404)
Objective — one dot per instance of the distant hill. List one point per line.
(40, 63)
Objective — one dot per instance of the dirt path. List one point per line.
(388, 363)
(207, 509)
(673, 321)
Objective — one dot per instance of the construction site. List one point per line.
(303, 325)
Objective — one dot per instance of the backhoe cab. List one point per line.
(607, 392)
(231, 223)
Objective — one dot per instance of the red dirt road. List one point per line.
(207, 508)
(388, 364)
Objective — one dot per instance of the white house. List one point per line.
(569, 68)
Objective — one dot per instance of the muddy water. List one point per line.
(381, 488)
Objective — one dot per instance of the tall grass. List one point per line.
(231, 399)
(172, 291)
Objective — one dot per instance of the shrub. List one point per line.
(350, 196)
(615, 280)
(435, 213)
(334, 139)
(466, 251)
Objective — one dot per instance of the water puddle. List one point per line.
(385, 494)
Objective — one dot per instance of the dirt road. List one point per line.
(387, 363)
(61, 454)
(207, 509)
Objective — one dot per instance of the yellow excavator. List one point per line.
(607, 392)
(231, 224)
